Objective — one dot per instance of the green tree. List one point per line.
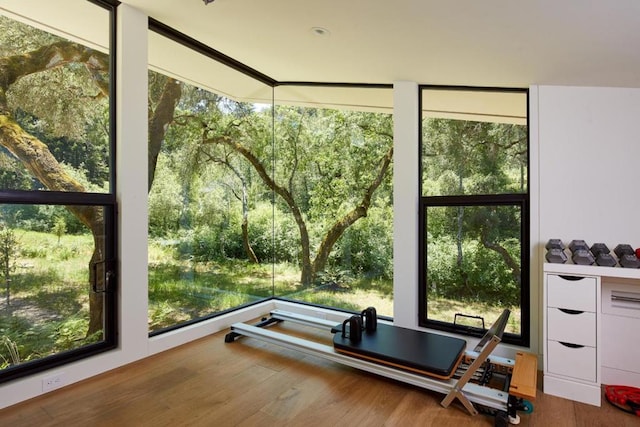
(59, 227)
(328, 166)
(54, 97)
(330, 163)
(465, 157)
(9, 248)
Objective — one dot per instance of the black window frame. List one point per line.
(108, 202)
(503, 199)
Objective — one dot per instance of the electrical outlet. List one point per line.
(53, 382)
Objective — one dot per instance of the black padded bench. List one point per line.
(422, 352)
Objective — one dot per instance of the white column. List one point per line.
(406, 127)
(131, 159)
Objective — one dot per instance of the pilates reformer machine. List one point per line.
(495, 386)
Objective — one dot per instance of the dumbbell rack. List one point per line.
(466, 392)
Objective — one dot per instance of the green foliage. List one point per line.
(180, 291)
(41, 218)
(73, 330)
(61, 106)
(366, 248)
(9, 247)
(273, 234)
(473, 252)
(165, 201)
(48, 313)
(482, 276)
(467, 157)
(59, 227)
(205, 188)
(14, 354)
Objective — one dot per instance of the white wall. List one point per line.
(589, 151)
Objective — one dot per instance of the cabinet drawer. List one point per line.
(578, 328)
(579, 363)
(571, 294)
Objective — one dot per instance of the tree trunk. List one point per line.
(159, 120)
(309, 269)
(508, 259)
(339, 227)
(306, 277)
(245, 225)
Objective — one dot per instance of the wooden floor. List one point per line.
(250, 383)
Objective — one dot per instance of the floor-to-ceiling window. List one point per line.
(474, 210)
(333, 149)
(57, 203)
(251, 199)
(210, 217)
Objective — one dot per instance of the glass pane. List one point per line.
(474, 142)
(333, 208)
(474, 264)
(210, 213)
(50, 263)
(55, 129)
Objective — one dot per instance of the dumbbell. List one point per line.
(355, 328)
(581, 254)
(626, 256)
(555, 252)
(554, 244)
(370, 318)
(602, 254)
(623, 249)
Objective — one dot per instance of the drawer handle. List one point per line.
(567, 311)
(572, 278)
(566, 344)
(626, 299)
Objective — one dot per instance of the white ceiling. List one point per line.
(506, 43)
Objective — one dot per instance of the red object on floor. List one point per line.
(638, 252)
(624, 397)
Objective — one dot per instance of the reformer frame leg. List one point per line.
(512, 410)
(457, 392)
(231, 336)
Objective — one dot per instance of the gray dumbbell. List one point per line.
(602, 255)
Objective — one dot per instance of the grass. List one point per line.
(445, 310)
(48, 305)
(48, 311)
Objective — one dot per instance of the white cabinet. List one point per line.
(591, 318)
(571, 353)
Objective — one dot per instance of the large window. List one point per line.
(333, 179)
(259, 191)
(210, 213)
(474, 210)
(57, 204)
